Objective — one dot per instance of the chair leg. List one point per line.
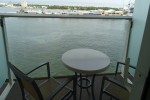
(22, 91)
(111, 98)
(101, 91)
(23, 95)
(101, 94)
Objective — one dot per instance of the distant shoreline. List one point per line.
(99, 12)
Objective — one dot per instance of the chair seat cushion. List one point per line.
(48, 87)
(119, 79)
(117, 91)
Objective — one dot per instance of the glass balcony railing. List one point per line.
(33, 41)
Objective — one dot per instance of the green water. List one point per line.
(33, 41)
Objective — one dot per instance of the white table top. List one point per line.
(85, 61)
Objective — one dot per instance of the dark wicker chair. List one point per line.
(118, 87)
(49, 89)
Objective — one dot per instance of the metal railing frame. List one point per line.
(62, 16)
(21, 15)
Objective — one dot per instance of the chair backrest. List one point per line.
(26, 83)
(126, 70)
(125, 74)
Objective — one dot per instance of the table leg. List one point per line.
(87, 85)
(92, 86)
(75, 87)
(80, 86)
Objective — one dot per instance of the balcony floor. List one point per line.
(15, 93)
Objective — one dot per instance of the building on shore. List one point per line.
(3, 4)
(24, 4)
(9, 5)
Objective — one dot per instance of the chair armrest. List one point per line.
(48, 69)
(132, 67)
(114, 82)
(58, 89)
(118, 63)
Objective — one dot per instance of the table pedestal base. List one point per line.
(84, 83)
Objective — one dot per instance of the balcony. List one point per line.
(33, 39)
(138, 45)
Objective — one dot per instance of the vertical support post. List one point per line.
(4, 32)
(128, 41)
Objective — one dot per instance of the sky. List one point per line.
(100, 3)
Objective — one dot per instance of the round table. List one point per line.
(85, 61)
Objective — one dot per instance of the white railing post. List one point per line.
(9, 73)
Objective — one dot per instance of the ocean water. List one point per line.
(33, 41)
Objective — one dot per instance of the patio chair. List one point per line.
(118, 87)
(49, 89)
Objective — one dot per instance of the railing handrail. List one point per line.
(63, 16)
